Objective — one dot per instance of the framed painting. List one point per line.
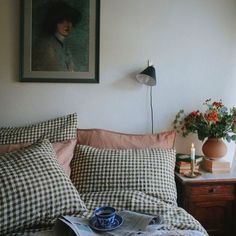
(60, 41)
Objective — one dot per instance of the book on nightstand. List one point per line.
(216, 166)
(186, 158)
(184, 169)
(183, 163)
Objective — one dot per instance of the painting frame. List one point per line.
(87, 73)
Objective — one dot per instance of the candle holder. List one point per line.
(192, 167)
(192, 173)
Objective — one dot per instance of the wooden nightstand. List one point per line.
(211, 199)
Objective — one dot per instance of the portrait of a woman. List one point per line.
(51, 52)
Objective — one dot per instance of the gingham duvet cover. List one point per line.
(176, 221)
(174, 217)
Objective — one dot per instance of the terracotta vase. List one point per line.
(214, 148)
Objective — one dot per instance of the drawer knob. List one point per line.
(212, 190)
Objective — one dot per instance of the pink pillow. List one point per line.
(64, 151)
(100, 138)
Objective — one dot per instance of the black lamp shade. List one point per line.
(148, 76)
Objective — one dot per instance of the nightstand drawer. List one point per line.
(210, 189)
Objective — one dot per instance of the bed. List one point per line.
(52, 168)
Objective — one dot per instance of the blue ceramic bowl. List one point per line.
(105, 216)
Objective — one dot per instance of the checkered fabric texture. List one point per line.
(34, 190)
(55, 130)
(149, 170)
(174, 217)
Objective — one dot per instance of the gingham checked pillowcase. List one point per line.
(62, 132)
(34, 190)
(149, 170)
(55, 130)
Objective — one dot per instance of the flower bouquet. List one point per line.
(217, 121)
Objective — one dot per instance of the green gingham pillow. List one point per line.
(34, 190)
(149, 170)
(55, 130)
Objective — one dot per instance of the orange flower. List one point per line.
(212, 116)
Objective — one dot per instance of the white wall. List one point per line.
(192, 43)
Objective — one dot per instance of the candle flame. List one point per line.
(192, 145)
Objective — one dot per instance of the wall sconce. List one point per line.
(148, 77)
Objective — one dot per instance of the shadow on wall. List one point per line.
(127, 83)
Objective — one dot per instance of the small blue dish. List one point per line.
(94, 224)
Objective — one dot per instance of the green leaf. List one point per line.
(233, 137)
(228, 138)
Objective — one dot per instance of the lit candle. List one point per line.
(192, 152)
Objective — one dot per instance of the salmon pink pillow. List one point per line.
(100, 138)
